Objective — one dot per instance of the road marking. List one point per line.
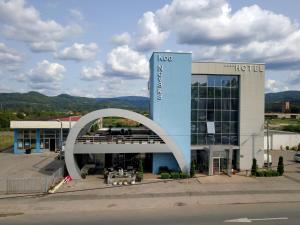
(246, 220)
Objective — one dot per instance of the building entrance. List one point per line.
(219, 165)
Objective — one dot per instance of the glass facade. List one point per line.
(215, 109)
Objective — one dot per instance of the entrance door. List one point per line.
(216, 165)
(52, 144)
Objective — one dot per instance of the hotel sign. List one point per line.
(160, 74)
(246, 67)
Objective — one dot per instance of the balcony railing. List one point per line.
(120, 139)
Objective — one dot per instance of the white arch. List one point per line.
(112, 112)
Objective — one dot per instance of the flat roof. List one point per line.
(15, 124)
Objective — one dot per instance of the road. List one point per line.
(258, 214)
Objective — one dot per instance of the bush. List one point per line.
(193, 169)
(163, 169)
(164, 176)
(139, 176)
(280, 167)
(267, 173)
(183, 175)
(254, 167)
(175, 175)
(287, 147)
(294, 148)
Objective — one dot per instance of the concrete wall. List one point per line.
(277, 140)
(170, 97)
(251, 105)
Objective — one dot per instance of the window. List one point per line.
(215, 98)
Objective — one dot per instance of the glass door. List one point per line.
(216, 165)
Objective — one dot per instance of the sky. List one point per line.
(102, 48)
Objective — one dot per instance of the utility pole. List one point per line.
(268, 150)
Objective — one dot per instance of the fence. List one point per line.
(12, 185)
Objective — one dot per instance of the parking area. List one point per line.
(31, 165)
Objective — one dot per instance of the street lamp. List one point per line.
(61, 137)
(268, 149)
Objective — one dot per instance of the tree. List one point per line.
(193, 169)
(140, 173)
(254, 167)
(280, 167)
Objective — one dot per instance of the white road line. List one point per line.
(246, 220)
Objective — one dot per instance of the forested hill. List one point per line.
(273, 101)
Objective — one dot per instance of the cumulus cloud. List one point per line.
(78, 52)
(76, 14)
(10, 59)
(149, 37)
(127, 63)
(121, 39)
(275, 86)
(90, 73)
(46, 72)
(42, 46)
(20, 21)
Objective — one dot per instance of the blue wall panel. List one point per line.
(170, 96)
(164, 159)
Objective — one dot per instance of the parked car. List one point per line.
(266, 160)
(297, 157)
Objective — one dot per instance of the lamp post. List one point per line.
(61, 137)
(268, 150)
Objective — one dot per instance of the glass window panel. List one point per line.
(226, 104)
(201, 139)
(202, 115)
(234, 140)
(210, 115)
(218, 92)
(194, 127)
(211, 81)
(27, 143)
(194, 103)
(20, 144)
(26, 133)
(225, 127)
(234, 127)
(33, 144)
(225, 139)
(234, 81)
(202, 103)
(225, 92)
(234, 116)
(234, 93)
(218, 127)
(211, 92)
(194, 92)
(194, 115)
(226, 81)
(217, 103)
(194, 139)
(200, 79)
(210, 139)
(210, 104)
(225, 115)
(218, 115)
(201, 127)
(20, 134)
(234, 104)
(218, 81)
(218, 139)
(202, 92)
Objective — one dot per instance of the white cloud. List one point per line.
(10, 59)
(275, 86)
(79, 52)
(149, 37)
(20, 21)
(49, 46)
(46, 72)
(125, 62)
(76, 14)
(121, 39)
(93, 72)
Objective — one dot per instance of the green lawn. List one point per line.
(284, 122)
(6, 139)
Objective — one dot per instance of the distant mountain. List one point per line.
(273, 101)
(63, 102)
(35, 101)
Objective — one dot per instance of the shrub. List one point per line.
(254, 167)
(280, 167)
(175, 175)
(287, 147)
(164, 176)
(183, 175)
(267, 173)
(298, 147)
(139, 176)
(193, 169)
(294, 148)
(163, 169)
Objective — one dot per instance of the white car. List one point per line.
(266, 160)
(297, 157)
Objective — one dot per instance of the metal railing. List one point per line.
(25, 185)
(120, 139)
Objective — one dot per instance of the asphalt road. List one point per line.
(258, 214)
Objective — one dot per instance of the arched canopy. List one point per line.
(112, 112)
